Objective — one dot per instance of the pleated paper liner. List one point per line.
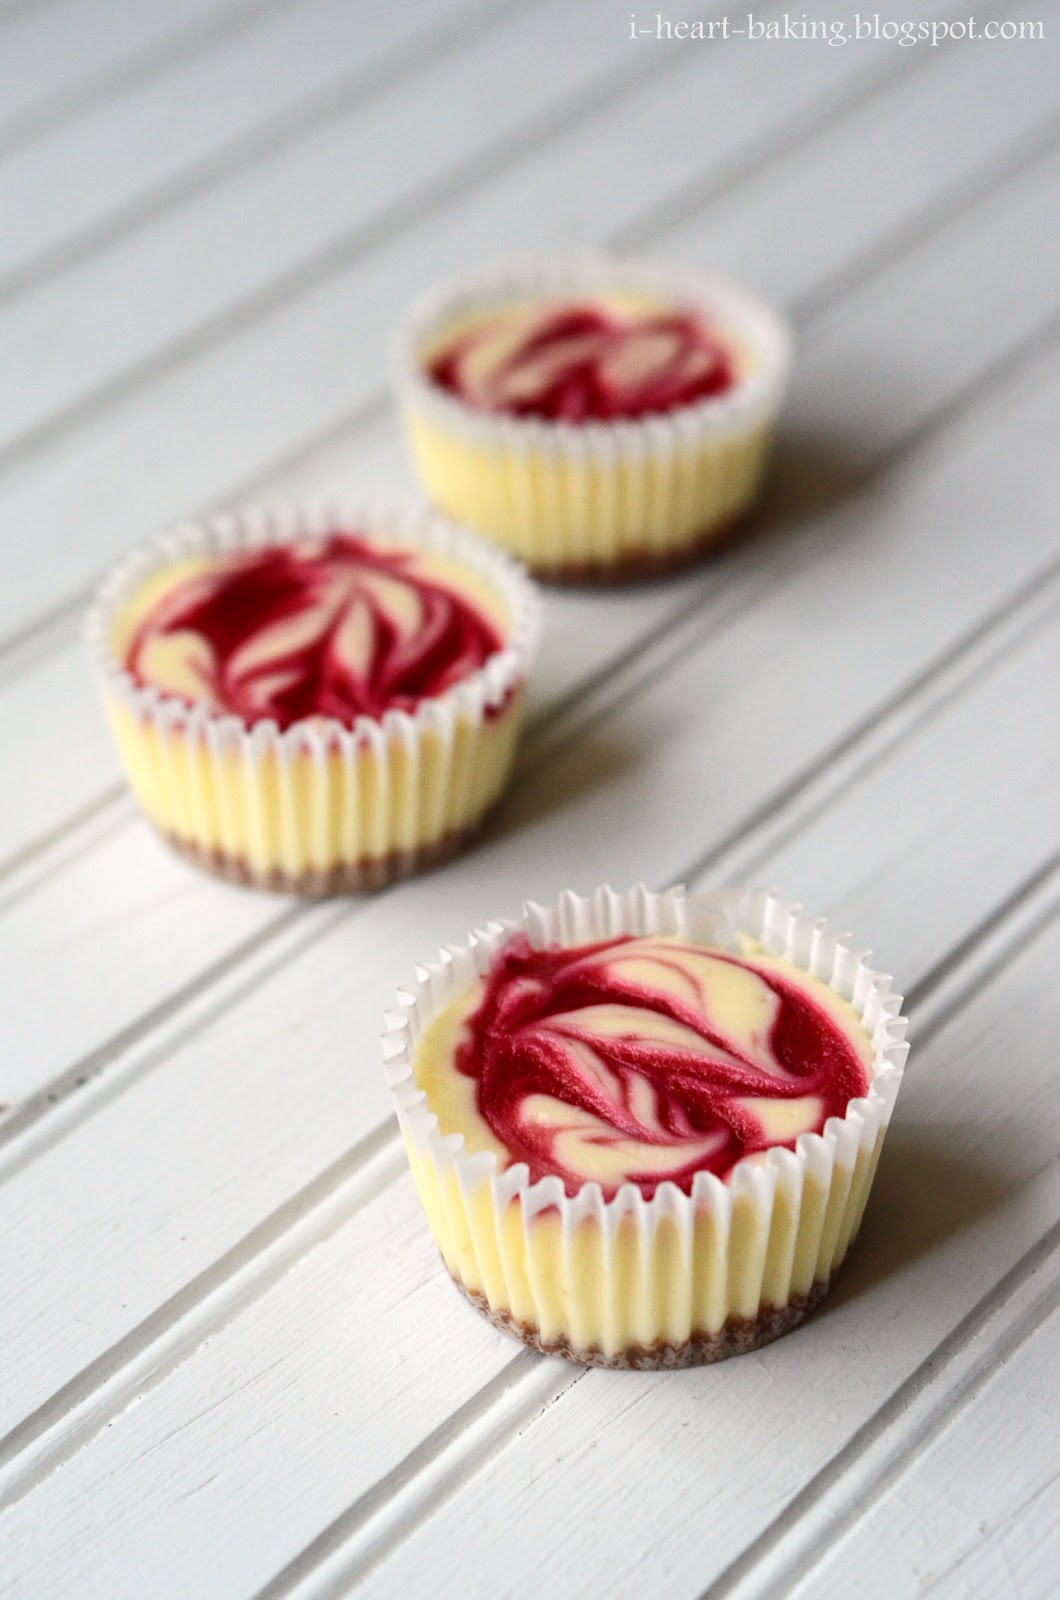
(683, 1278)
(320, 807)
(598, 501)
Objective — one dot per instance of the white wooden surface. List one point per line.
(230, 1363)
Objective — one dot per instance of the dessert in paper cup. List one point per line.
(602, 419)
(316, 700)
(643, 1126)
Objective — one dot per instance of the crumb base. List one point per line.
(641, 566)
(356, 877)
(738, 1336)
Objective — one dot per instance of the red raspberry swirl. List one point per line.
(622, 1039)
(581, 363)
(331, 627)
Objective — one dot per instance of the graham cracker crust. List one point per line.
(643, 566)
(738, 1336)
(359, 877)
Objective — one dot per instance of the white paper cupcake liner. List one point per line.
(684, 1277)
(597, 499)
(320, 806)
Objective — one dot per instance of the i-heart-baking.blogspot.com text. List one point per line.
(802, 27)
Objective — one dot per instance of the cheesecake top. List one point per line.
(583, 360)
(640, 1060)
(332, 626)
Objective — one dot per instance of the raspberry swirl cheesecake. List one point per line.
(601, 419)
(644, 1127)
(312, 701)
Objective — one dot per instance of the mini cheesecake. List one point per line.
(315, 706)
(600, 419)
(649, 1149)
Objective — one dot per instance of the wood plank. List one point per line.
(350, 1359)
(288, 378)
(75, 189)
(38, 808)
(55, 57)
(242, 1328)
(259, 1129)
(873, 174)
(196, 264)
(375, 465)
(359, 1353)
(905, 804)
(989, 1478)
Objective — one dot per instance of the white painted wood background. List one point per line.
(230, 1363)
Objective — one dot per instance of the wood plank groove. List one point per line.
(33, 1128)
(1023, 155)
(52, 46)
(671, 213)
(429, 199)
(876, 736)
(106, 31)
(173, 155)
(425, 1479)
(110, 806)
(846, 1489)
(993, 1527)
(353, 1548)
(178, 1327)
